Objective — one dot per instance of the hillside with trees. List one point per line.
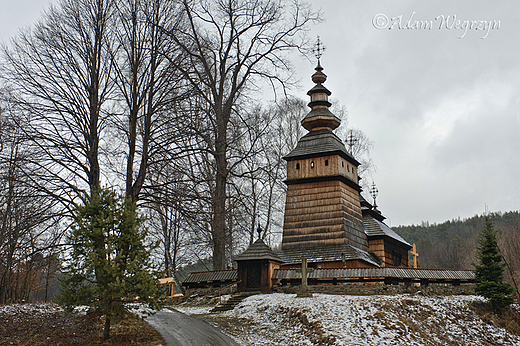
(452, 244)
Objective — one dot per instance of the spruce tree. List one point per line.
(489, 273)
(109, 262)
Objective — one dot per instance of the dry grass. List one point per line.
(238, 327)
(312, 329)
(508, 319)
(62, 328)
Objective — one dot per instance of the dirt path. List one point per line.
(178, 329)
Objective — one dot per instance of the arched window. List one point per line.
(297, 166)
(326, 162)
(312, 164)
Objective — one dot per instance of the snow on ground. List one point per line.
(190, 309)
(284, 319)
(141, 310)
(18, 311)
(33, 309)
(194, 310)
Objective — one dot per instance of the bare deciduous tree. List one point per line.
(231, 45)
(27, 218)
(61, 74)
(147, 84)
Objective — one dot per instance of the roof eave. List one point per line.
(342, 154)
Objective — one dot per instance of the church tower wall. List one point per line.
(328, 165)
(324, 213)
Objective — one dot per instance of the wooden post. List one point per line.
(415, 255)
(304, 275)
(304, 270)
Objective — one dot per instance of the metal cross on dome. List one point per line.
(318, 49)
(373, 192)
(351, 140)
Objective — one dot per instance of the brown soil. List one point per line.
(62, 328)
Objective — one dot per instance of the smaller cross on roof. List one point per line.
(373, 192)
(318, 49)
(259, 230)
(351, 140)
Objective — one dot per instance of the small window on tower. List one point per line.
(312, 164)
(326, 162)
(348, 168)
(297, 166)
(342, 164)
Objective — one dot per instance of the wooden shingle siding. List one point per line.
(322, 213)
(294, 226)
(377, 247)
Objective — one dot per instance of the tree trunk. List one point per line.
(106, 330)
(219, 197)
(167, 239)
(48, 276)
(93, 139)
(219, 223)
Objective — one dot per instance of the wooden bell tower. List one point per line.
(323, 195)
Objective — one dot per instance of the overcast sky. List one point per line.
(440, 104)
(443, 111)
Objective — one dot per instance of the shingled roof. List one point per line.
(211, 276)
(258, 251)
(374, 228)
(320, 143)
(400, 273)
(326, 254)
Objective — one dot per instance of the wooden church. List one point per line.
(326, 219)
(327, 223)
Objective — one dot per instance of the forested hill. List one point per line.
(452, 244)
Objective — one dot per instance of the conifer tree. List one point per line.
(489, 273)
(109, 261)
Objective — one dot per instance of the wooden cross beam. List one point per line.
(415, 255)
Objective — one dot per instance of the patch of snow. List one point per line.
(224, 298)
(284, 319)
(19, 311)
(200, 305)
(81, 309)
(141, 310)
(193, 310)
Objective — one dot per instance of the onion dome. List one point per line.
(320, 118)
